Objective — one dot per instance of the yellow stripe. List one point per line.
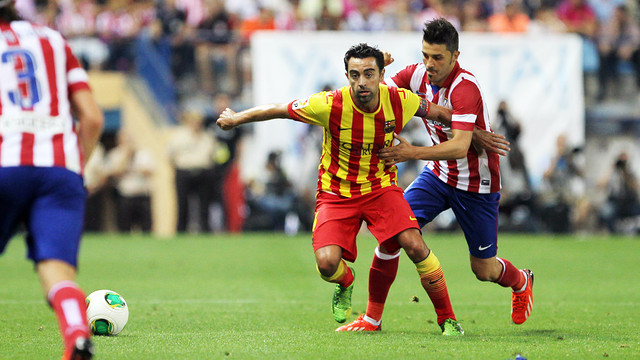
(337, 275)
(428, 265)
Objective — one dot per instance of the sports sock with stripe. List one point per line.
(432, 279)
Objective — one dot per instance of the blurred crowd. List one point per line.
(207, 42)
(207, 39)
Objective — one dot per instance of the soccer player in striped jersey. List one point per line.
(354, 185)
(458, 175)
(42, 152)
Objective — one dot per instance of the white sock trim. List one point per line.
(526, 280)
(504, 269)
(62, 284)
(372, 321)
(383, 256)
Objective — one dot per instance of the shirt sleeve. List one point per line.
(466, 102)
(402, 79)
(410, 103)
(77, 78)
(314, 110)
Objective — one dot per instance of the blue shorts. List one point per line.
(49, 203)
(477, 214)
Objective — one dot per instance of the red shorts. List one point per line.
(338, 220)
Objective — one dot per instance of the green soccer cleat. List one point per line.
(451, 327)
(341, 304)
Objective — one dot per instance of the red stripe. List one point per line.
(9, 35)
(379, 136)
(26, 149)
(357, 141)
(494, 168)
(334, 123)
(396, 105)
(58, 150)
(474, 174)
(47, 53)
(11, 39)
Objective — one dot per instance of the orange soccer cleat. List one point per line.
(360, 324)
(522, 301)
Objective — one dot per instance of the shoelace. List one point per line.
(521, 301)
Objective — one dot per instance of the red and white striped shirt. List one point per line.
(39, 73)
(479, 171)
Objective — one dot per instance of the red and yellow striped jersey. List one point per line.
(352, 137)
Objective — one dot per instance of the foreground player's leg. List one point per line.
(68, 303)
(521, 283)
(341, 303)
(381, 275)
(433, 282)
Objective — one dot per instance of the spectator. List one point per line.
(473, 16)
(95, 181)
(117, 26)
(192, 152)
(271, 200)
(563, 188)
(511, 20)
(517, 201)
(622, 200)
(618, 41)
(131, 169)
(365, 18)
(579, 17)
(546, 21)
(217, 51)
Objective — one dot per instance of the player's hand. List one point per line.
(388, 59)
(227, 119)
(403, 151)
(489, 141)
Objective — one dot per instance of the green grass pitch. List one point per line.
(258, 296)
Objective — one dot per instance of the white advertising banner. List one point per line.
(540, 78)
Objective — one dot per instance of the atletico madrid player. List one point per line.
(458, 175)
(42, 153)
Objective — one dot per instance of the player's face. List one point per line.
(439, 62)
(364, 78)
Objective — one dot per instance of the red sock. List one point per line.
(510, 276)
(68, 303)
(381, 275)
(347, 279)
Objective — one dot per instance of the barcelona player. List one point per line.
(42, 153)
(354, 184)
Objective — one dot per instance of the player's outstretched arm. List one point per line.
(230, 119)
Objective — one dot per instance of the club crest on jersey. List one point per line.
(389, 126)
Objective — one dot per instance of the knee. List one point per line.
(415, 248)
(327, 264)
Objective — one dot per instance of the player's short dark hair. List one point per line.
(8, 12)
(440, 31)
(362, 51)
